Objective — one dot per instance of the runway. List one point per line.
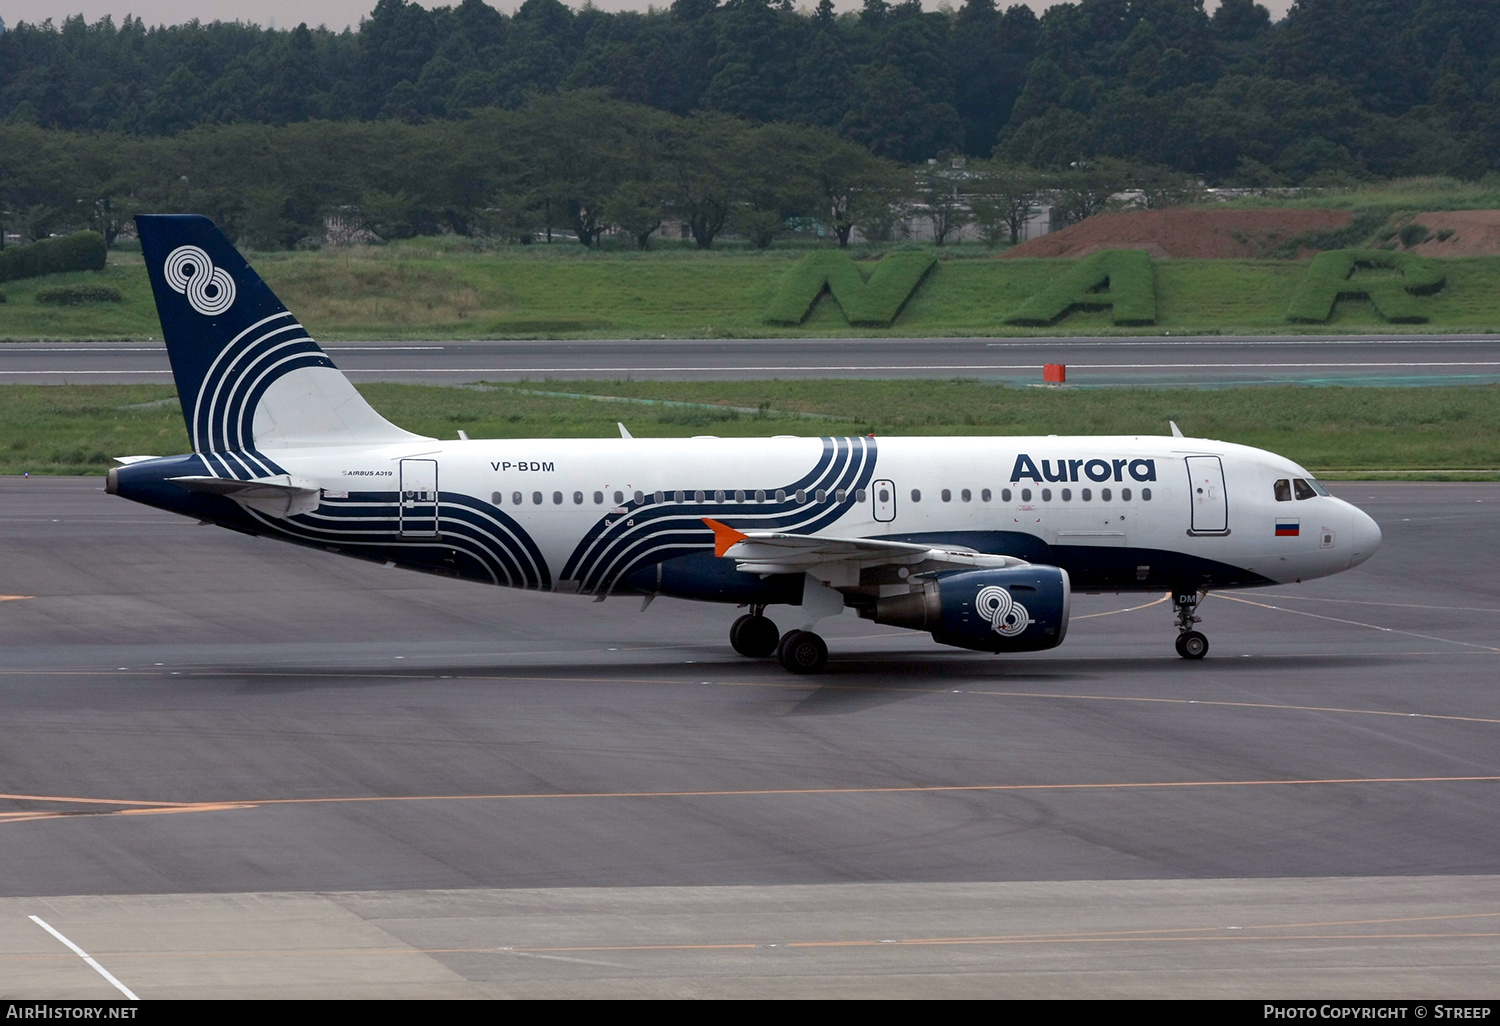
(232, 768)
(1212, 361)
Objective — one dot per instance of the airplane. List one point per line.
(980, 542)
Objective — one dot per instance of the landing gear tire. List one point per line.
(754, 636)
(1192, 645)
(802, 652)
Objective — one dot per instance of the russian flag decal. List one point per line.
(1288, 528)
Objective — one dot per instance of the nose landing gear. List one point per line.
(1191, 644)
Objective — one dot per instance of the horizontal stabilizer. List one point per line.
(279, 496)
(126, 461)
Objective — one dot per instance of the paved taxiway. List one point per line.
(236, 768)
(1215, 360)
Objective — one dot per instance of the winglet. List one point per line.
(725, 537)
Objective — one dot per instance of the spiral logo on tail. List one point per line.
(1007, 617)
(209, 289)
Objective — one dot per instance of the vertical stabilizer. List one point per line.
(248, 376)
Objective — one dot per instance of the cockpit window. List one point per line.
(1283, 490)
(1313, 483)
(1303, 489)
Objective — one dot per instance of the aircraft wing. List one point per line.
(282, 495)
(838, 562)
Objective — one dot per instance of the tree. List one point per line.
(707, 180)
(1088, 187)
(1003, 199)
(937, 190)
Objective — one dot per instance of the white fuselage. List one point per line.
(1208, 501)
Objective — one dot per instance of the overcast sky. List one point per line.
(339, 13)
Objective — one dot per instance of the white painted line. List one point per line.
(85, 956)
(521, 368)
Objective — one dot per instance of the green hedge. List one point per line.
(1130, 296)
(1329, 278)
(84, 251)
(875, 301)
(77, 295)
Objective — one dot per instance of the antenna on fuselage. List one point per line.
(1176, 431)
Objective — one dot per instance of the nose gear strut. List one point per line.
(1191, 644)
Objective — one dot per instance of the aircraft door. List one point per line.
(883, 493)
(419, 499)
(1206, 493)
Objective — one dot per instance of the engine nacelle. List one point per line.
(1014, 609)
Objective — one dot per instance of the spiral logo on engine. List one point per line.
(209, 289)
(1007, 617)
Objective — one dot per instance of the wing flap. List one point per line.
(837, 561)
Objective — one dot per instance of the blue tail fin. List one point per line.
(248, 376)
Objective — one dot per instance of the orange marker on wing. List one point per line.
(725, 537)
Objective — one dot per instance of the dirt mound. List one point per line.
(1185, 232)
(1470, 233)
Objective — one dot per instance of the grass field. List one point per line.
(1414, 194)
(421, 290)
(1416, 433)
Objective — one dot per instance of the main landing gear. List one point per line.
(1191, 644)
(754, 635)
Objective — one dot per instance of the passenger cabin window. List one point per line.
(515, 498)
(984, 496)
(916, 495)
(859, 495)
(1283, 490)
(947, 495)
(1302, 488)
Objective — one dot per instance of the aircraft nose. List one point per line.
(1365, 535)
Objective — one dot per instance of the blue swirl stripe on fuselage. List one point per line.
(649, 532)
